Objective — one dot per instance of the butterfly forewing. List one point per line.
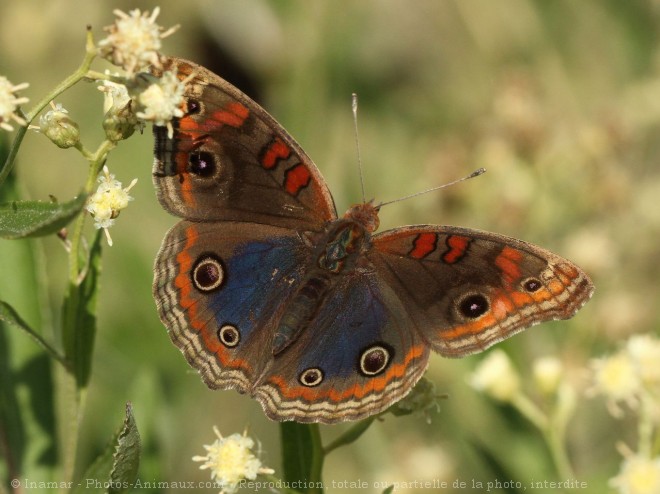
(469, 289)
(229, 160)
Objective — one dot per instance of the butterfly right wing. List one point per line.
(468, 289)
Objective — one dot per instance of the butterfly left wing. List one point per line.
(227, 159)
(357, 357)
(219, 288)
(469, 289)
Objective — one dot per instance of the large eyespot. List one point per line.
(473, 306)
(201, 163)
(311, 377)
(375, 359)
(229, 335)
(193, 106)
(208, 273)
(532, 284)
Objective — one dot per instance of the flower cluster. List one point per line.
(133, 44)
(9, 103)
(108, 201)
(497, 377)
(134, 40)
(632, 376)
(231, 460)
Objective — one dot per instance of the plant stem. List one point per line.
(80, 73)
(96, 161)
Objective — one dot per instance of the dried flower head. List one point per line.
(108, 201)
(231, 460)
(134, 40)
(9, 103)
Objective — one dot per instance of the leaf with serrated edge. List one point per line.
(23, 219)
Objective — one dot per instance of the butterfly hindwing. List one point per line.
(356, 358)
(219, 288)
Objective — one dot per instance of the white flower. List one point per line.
(617, 378)
(231, 460)
(162, 101)
(644, 350)
(547, 372)
(638, 475)
(9, 103)
(108, 201)
(115, 95)
(133, 41)
(496, 377)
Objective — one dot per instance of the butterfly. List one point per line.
(265, 289)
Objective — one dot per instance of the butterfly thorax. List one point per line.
(366, 214)
(337, 252)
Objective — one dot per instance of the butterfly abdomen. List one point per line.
(301, 311)
(342, 246)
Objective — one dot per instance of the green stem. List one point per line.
(318, 456)
(552, 430)
(529, 410)
(350, 435)
(96, 161)
(302, 456)
(555, 440)
(80, 73)
(645, 426)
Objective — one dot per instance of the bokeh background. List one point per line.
(559, 100)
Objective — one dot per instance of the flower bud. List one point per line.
(59, 128)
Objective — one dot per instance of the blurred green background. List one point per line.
(559, 100)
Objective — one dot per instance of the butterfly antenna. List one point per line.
(475, 173)
(357, 144)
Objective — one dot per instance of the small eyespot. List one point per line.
(532, 284)
(193, 106)
(229, 335)
(473, 306)
(374, 360)
(208, 273)
(311, 377)
(201, 163)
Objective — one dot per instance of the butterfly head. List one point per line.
(365, 214)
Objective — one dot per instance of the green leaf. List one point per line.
(118, 463)
(302, 455)
(22, 219)
(11, 317)
(79, 316)
(28, 437)
(389, 490)
(127, 456)
(351, 435)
